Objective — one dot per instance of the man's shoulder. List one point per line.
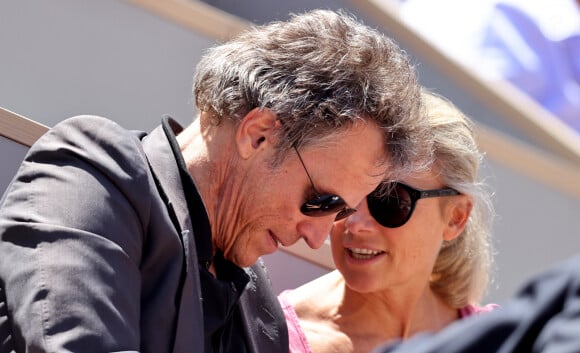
(90, 124)
(93, 143)
(89, 131)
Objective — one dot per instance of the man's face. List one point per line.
(264, 211)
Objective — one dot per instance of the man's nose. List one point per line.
(315, 230)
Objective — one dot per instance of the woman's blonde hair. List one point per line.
(462, 270)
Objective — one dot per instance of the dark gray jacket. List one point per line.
(90, 259)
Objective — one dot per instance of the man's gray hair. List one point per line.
(318, 72)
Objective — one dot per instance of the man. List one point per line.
(113, 240)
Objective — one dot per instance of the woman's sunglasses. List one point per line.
(323, 204)
(394, 207)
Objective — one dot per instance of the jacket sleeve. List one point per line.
(71, 229)
(543, 317)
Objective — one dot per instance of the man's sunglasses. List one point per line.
(394, 207)
(323, 204)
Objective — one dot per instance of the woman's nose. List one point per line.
(361, 219)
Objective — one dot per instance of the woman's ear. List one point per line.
(457, 213)
(256, 130)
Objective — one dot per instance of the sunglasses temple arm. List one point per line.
(306, 170)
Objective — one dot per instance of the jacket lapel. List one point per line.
(189, 331)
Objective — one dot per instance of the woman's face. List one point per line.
(373, 258)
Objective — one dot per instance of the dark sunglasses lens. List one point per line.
(323, 205)
(393, 209)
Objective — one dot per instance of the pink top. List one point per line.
(297, 338)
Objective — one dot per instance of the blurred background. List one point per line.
(513, 66)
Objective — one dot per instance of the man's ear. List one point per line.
(256, 131)
(457, 213)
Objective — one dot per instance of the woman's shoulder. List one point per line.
(310, 292)
(283, 298)
(296, 336)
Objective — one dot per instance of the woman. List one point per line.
(414, 258)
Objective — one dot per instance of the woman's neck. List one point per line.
(403, 311)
